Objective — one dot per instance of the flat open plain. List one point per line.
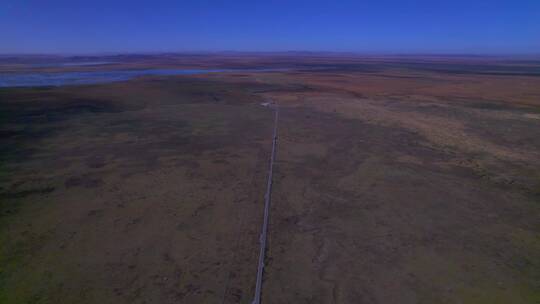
(397, 180)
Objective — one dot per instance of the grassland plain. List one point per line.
(397, 181)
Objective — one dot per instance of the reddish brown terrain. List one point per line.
(397, 180)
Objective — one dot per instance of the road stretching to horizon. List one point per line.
(267, 201)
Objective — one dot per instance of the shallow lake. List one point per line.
(35, 79)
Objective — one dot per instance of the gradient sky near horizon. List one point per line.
(383, 26)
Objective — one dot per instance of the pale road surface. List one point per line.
(267, 198)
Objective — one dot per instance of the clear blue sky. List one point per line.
(387, 26)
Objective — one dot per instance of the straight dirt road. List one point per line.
(267, 201)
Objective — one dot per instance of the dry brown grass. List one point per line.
(392, 184)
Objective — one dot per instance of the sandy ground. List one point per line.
(399, 185)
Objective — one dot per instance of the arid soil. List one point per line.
(397, 180)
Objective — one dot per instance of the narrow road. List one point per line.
(267, 199)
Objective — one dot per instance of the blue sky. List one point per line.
(383, 26)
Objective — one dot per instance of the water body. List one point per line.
(37, 79)
(68, 64)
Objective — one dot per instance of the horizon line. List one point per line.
(286, 52)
